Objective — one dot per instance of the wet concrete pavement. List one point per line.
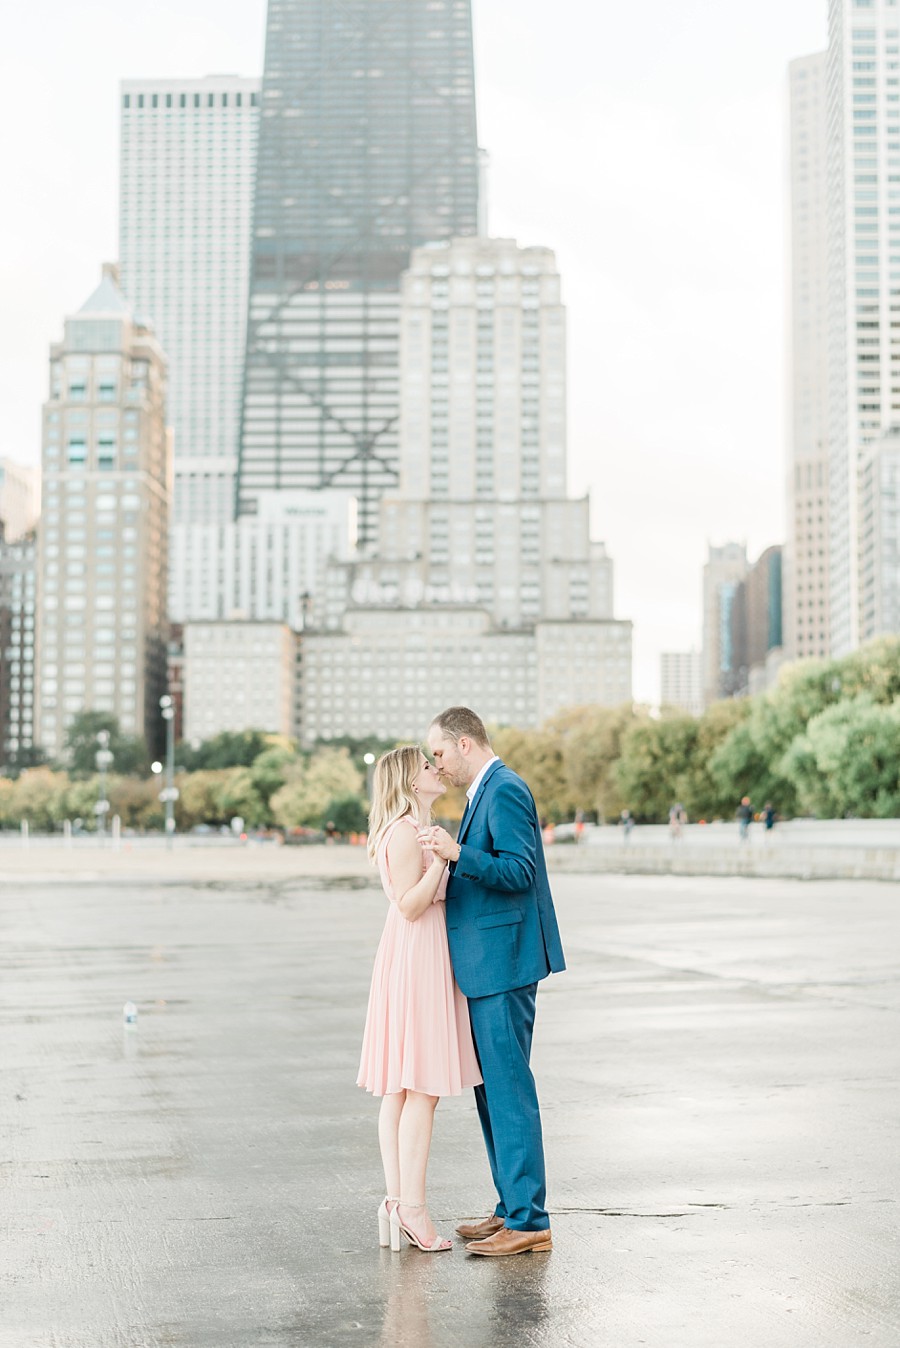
(718, 1071)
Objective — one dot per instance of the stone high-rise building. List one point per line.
(239, 676)
(18, 594)
(103, 536)
(367, 149)
(486, 587)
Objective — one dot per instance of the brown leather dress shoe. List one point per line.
(513, 1242)
(479, 1230)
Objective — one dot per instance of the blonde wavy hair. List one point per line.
(393, 796)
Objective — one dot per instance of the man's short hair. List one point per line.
(461, 722)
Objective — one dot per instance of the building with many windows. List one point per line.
(486, 586)
(757, 625)
(725, 569)
(18, 592)
(238, 676)
(863, 262)
(367, 149)
(103, 537)
(681, 681)
(806, 569)
(269, 566)
(187, 163)
(879, 540)
(743, 623)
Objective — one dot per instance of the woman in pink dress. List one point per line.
(417, 1044)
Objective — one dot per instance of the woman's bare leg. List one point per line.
(414, 1137)
(388, 1125)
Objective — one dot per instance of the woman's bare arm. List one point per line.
(415, 891)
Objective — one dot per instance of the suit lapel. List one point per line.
(473, 804)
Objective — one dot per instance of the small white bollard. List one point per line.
(67, 832)
(116, 832)
(24, 832)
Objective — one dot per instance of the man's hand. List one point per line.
(440, 842)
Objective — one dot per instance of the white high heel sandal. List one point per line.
(397, 1226)
(384, 1221)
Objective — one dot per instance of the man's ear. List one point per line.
(463, 744)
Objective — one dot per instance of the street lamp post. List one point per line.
(103, 758)
(170, 794)
(369, 760)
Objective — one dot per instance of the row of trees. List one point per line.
(825, 741)
(279, 787)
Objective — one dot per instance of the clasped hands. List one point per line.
(438, 840)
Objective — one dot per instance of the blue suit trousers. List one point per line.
(507, 1102)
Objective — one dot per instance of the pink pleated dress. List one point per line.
(417, 1035)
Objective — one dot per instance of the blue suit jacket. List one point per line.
(501, 923)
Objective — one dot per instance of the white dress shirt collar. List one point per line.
(474, 785)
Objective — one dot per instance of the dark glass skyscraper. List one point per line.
(367, 149)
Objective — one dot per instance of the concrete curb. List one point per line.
(801, 863)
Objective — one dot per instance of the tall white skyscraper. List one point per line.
(188, 158)
(863, 225)
(806, 589)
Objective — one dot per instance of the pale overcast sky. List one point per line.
(645, 143)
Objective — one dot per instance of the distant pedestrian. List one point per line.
(768, 816)
(744, 815)
(626, 819)
(677, 820)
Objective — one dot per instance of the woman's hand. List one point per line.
(438, 840)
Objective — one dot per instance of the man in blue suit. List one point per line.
(504, 939)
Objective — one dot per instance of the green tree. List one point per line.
(874, 669)
(198, 799)
(80, 798)
(130, 757)
(848, 760)
(136, 802)
(651, 772)
(39, 795)
(236, 796)
(7, 793)
(357, 746)
(537, 756)
(698, 789)
(229, 749)
(347, 813)
(590, 743)
(270, 770)
(310, 787)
